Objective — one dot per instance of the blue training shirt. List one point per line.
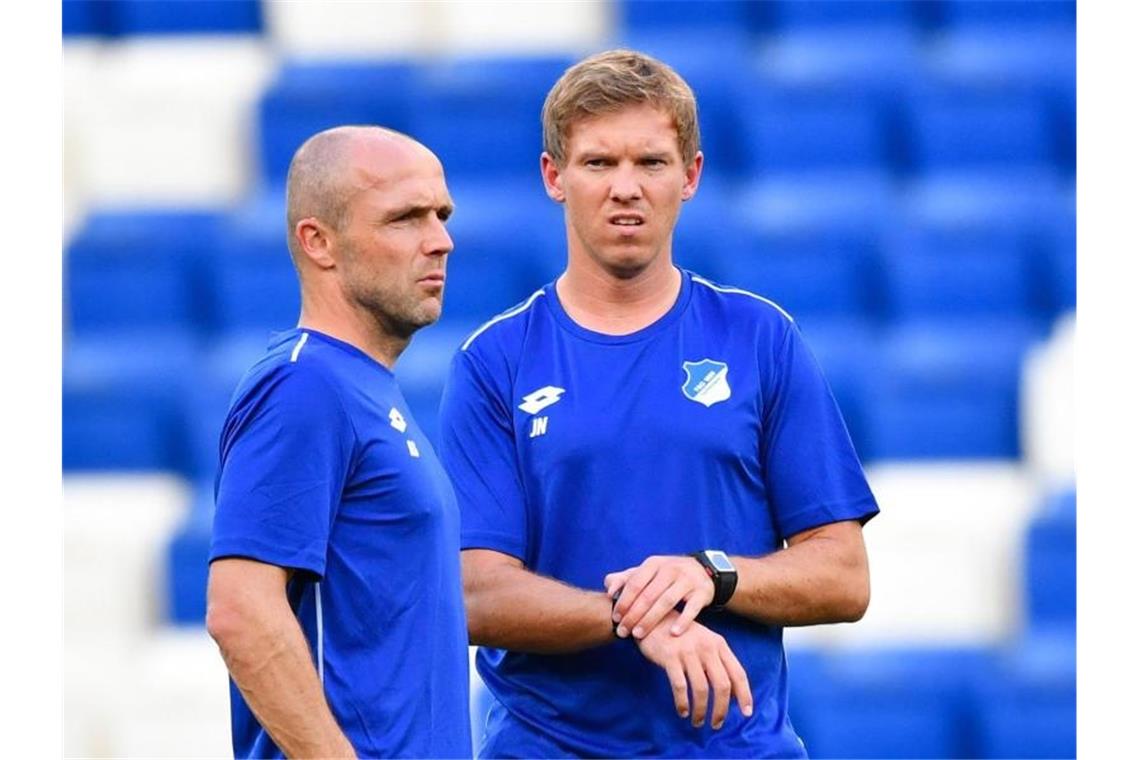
(582, 453)
(323, 470)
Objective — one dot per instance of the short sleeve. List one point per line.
(812, 472)
(477, 448)
(286, 450)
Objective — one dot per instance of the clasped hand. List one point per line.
(653, 589)
(693, 657)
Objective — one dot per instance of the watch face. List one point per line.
(720, 561)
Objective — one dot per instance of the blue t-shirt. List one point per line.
(323, 470)
(582, 453)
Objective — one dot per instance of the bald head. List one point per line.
(325, 173)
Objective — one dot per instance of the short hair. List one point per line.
(606, 83)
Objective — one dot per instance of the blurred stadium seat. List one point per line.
(112, 18)
(1006, 15)
(791, 16)
(965, 130)
(948, 390)
(1027, 708)
(639, 15)
(888, 702)
(309, 96)
(1048, 405)
(950, 274)
(481, 115)
(122, 399)
(790, 132)
(129, 270)
(1050, 574)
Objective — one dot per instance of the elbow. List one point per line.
(476, 616)
(223, 622)
(855, 602)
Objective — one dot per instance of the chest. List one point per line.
(676, 396)
(394, 477)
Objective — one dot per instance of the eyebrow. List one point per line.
(420, 209)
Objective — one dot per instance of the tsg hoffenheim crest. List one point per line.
(706, 381)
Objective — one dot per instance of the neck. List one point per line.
(605, 303)
(354, 326)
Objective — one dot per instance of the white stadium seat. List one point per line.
(1048, 411)
(944, 556)
(165, 122)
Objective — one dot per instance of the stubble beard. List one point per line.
(398, 315)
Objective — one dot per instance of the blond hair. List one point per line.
(610, 81)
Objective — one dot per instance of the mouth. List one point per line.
(627, 220)
(433, 279)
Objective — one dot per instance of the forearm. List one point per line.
(268, 658)
(513, 608)
(819, 580)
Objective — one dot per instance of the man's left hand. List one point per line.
(654, 588)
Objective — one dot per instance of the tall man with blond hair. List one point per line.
(334, 591)
(653, 476)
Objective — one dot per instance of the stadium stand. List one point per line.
(899, 175)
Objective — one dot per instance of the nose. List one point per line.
(625, 185)
(437, 242)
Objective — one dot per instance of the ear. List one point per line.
(316, 242)
(693, 176)
(552, 178)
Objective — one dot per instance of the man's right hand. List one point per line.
(700, 660)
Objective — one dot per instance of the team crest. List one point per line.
(706, 381)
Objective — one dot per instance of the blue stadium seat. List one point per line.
(86, 18)
(307, 97)
(811, 273)
(151, 17)
(1006, 14)
(134, 270)
(1055, 266)
(886, 703)
(709, 230)
(1039, 63)
(219, 369)
(188, 561)
(1020, 202)
(935, 274)
(1050, 573)
(422, 370)
(959, 129)
(254, 283)
(879, 62)
(791, 16)
(122, 400)
(948, 390)
(847, 350)
(509, 241)
(788, 130)
(836, 202)
(1028, 707)
(482, 115)
(635, 16)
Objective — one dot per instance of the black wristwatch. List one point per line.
(723, 574)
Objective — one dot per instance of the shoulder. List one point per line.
(504, 329)
(740, 303)
(496, 347)
(295, 372)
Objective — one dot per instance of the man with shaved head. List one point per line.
(334, 592)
